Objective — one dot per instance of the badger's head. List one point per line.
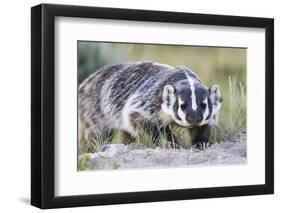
(190, 103)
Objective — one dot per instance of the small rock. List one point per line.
(133, 146)
(227, 145)
(104, 147)
(111, 150)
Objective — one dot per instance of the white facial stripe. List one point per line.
(181, 114)
(193, 96)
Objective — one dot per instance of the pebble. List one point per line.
(227, 145)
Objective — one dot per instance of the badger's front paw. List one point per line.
(202, 145)
(200, 136)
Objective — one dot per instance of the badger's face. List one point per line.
(188, 103)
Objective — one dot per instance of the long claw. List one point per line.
(203, 145)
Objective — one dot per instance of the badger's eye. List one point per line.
(183, 106)
(203, 105)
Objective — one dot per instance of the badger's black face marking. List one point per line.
(201, 94)
(210, 109)
(175, 108)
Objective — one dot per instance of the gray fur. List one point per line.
(119, 96)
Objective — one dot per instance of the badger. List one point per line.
(122, 96)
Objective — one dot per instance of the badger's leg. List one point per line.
(92, 135)
(200, 136)
(127, 138)
(155, 137)
(174, 142)
(83, 135)
(130, 129)
(167, 133)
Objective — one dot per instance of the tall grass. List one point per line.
(232, 116)
(95, 141)
(145, 137)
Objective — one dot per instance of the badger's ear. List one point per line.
(216, 101)
(215, 94)
(169, 96)
(215, 97)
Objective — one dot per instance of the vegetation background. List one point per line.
(214, 65)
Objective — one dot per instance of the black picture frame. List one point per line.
(43, 102)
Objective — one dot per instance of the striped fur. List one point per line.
(121, 96)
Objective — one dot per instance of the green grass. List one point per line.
(232, 116)
(95, 143)
(83, 161)
(115, 166)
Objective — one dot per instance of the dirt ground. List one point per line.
(120, 156)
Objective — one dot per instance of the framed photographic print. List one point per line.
(139, 106)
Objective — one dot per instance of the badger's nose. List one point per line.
(194, 118)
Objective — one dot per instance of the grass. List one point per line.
(115, 165)
(232, 116)
(95, 143)
(145, 138)
(83, 161)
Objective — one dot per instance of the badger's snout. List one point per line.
(194, 117)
